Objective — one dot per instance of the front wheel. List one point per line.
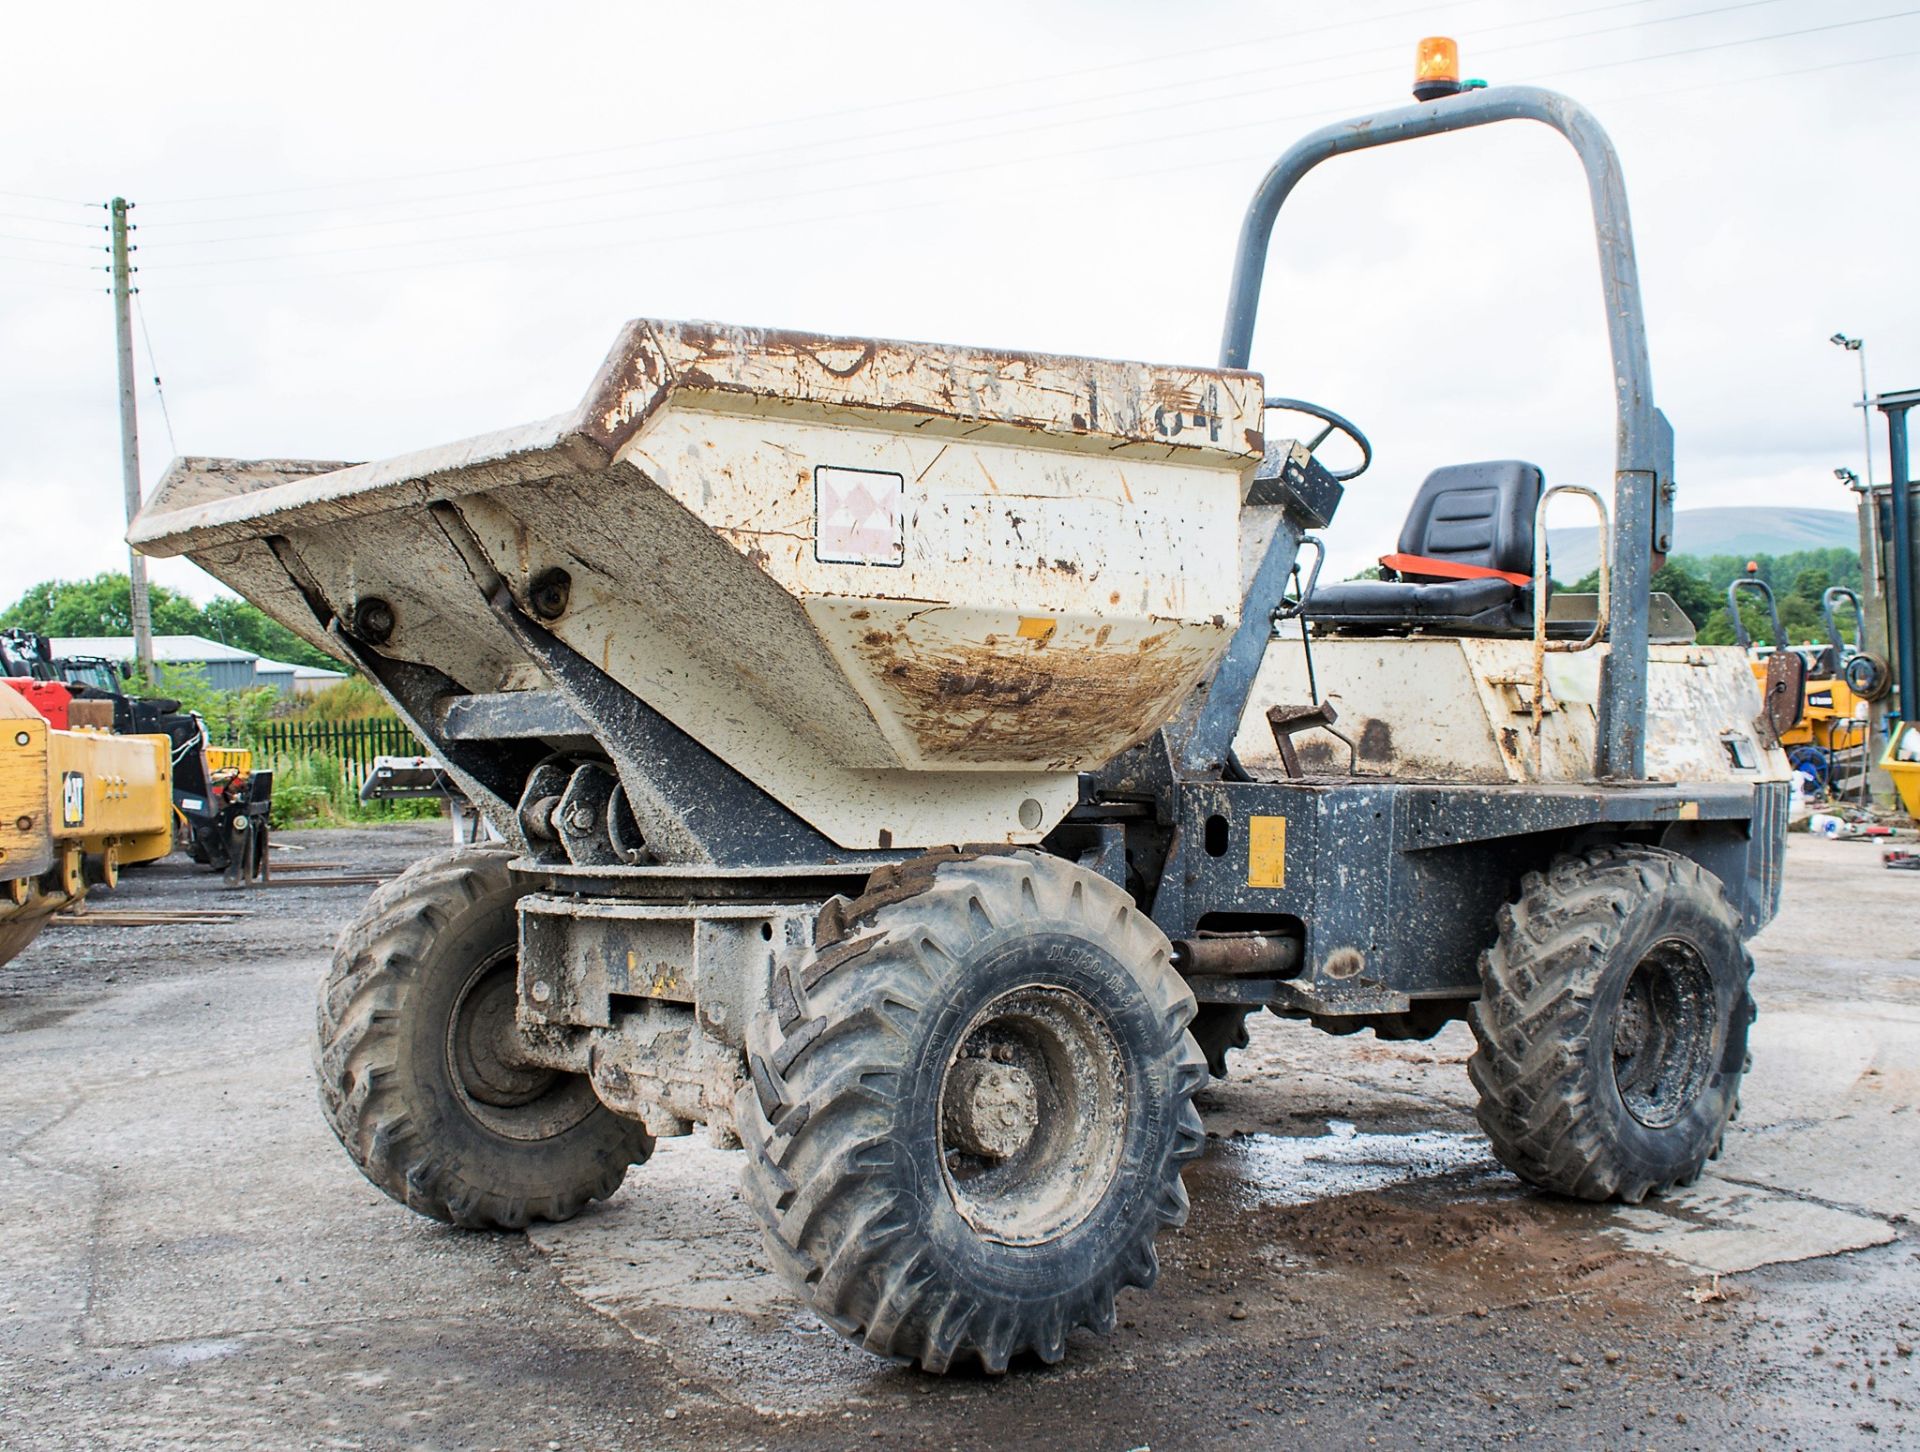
(417, 1065)
(969, 1109)
(1612, 1024)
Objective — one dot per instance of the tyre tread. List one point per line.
(824, 1072)
(362, 1018)
(1531, 1022)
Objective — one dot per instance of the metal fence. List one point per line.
(354, 744)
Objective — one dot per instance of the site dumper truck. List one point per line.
(900, 771)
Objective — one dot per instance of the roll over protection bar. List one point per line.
(1643, 441)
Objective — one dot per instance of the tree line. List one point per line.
(1698, 585)
(102, 606)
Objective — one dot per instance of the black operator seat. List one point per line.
(1464, 564)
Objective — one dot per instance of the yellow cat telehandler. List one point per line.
(75, 807)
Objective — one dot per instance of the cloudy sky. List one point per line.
(369, 228)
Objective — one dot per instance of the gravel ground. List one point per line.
(191, 1261)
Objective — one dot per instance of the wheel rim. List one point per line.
(487, 1065)
(1033, 1115)
(1664, 1034)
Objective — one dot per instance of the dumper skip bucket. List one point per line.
(907, 590)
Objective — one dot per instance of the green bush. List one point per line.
(1699, 587)
(312, 791)
(230, 715)
(353, 699)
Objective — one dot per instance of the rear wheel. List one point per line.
(1612, 1024)
(968, 1112)
(417, 1062)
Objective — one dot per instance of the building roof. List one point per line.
(299, 672)
(168, 649)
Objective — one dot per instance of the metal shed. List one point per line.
(224, 667)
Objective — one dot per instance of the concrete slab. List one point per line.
(1724, 1228)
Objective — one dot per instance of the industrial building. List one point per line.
(224, 667)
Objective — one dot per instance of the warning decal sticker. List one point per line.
(859, 517)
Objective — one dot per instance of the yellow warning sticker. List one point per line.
(1266, 851)
(1037, 627)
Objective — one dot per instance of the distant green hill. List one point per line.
(1736, 530)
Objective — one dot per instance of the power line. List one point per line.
(51, 201)
(762, 224)
(1750, 40)
(1159, 58)
(39, 286)
(864, 183)
(1182, 166)
(55, 262)
(812, 150)
(140, 311)
(50, 221)
(1663, 92)
(684, 209)
(49, 241)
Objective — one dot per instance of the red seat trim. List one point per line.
(1449, 569)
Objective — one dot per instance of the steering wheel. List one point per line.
(1334, 424)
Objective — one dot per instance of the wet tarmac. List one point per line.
(190, 1261)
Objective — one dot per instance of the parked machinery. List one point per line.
(1865, 673)
(76, 806)
(898, 771)
(1827, 740)
(221, 804)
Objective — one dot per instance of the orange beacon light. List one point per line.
(1436, 68)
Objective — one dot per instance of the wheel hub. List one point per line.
(488, 1056)
(1032, 1115)
(991, 1109)
(1630, 1036)
(1666, 1034)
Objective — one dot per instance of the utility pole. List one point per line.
(130, 433)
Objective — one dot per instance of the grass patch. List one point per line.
(312, 791)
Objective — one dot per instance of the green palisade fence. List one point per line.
(354, 744)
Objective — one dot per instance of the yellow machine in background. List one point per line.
(230, 759)
(1902, 763)
(1837, 682)
(75, 807)
(1834, 718)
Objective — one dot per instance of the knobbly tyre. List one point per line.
(898, 769)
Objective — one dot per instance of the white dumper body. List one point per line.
(907, 590)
